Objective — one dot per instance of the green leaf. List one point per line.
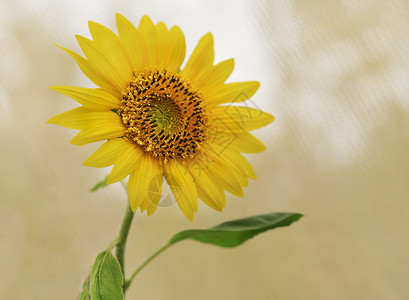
(234, 233)
(100, 184)
(85, 290)
(106, 278)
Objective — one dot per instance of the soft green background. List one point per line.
(335, 74)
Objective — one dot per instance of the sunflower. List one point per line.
(159, 121)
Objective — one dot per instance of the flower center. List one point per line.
(164, 115)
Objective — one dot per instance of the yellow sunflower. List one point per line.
(162, 122)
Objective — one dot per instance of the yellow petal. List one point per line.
(239, 118)
(108, 43)
(131, 41)
(247, 143)
(201, 60)
(209, 191)
(155, 190)
(105, 66)
(231, 93)
(145, 185)
(106, 128)
(95, 99)
(219, 172)
(80, 118)
(210, 200)
(107, 154)
(241, 141)
(133, 192)
(183, 187)
(150, 45)
(226, 160)
(231, 159)
(215, 76)
(150, 41)
(126, 163)
(178, 49)
(240, 163)
(93, 73)
(163, 46)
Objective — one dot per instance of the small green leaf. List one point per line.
(234, 233)
(106, 278)
(85, 290)
(100, 184)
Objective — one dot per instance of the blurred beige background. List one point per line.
(334, 73)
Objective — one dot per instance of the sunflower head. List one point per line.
(164, 115)
(159, 121)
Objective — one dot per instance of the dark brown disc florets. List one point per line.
(164, 115)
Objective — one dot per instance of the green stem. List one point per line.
(146, 262)
(113, 244)
(122, 237)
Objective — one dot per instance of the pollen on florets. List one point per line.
(164, 115)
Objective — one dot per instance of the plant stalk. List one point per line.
(122, 237)
(144, 264)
